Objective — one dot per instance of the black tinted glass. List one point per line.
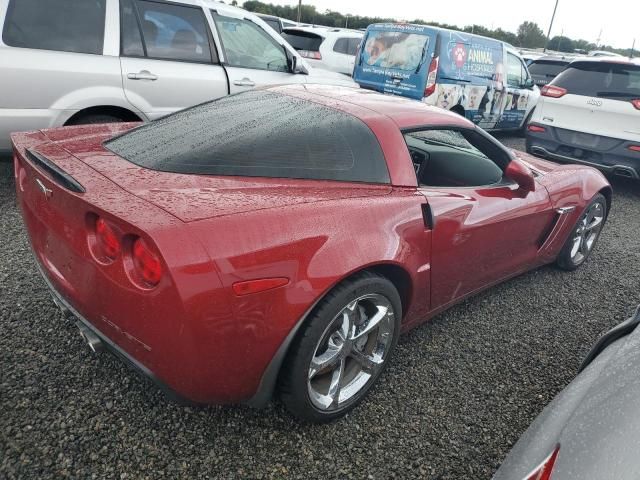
(258, 134)
(341, 45)
(61, 25)
(546, 68)
(303, 40)
(601, 79)
(130, 38)
(174, 32)
(354, 43)
(273, 23)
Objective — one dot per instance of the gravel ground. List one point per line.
(457, 395)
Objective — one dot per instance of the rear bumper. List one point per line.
(610, 155)
(69, 312)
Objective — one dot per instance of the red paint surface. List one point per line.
(211, 345)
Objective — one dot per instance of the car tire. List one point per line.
(584, 235)
(94, 118)
(340, 352)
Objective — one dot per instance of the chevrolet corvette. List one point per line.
(278, 241)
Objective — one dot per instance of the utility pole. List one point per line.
(633, 46)
(346, 21)
(551, 25)
(299, 10)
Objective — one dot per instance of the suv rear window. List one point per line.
(303, 40)
(258, 134)
(601, 79)
(549, 68)
(61, 25)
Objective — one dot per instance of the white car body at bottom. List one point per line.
(44, 88)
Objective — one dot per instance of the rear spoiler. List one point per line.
(56, 174)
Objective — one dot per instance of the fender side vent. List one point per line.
(54, 172)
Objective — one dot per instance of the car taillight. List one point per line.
(634, 148)
(107, 240)
(431, 77)
(310, 54)
(536, 128)
(636, 103)
(147, 264)
(553, 91)
(544, 471)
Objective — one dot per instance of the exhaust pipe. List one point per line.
(94, 342)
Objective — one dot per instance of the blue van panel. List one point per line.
(394, 58)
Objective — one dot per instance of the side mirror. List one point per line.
(522, 175)
(529, 83)
(292, 63)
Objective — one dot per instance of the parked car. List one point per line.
(163, 57)
(331, 48)
(277, 23)
(590, 430)
(287, 235)
(479, 78)
(603, 53)
(545, 69)
(590, 114)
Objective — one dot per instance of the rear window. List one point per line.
(601, 79)
(258, 134)
(303, 40)
(397, 50)
(547, 67)
(61, 25)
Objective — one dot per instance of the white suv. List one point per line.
(66, 62)
(590, 114)
(330, 48)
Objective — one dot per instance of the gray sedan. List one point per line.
(591, 430)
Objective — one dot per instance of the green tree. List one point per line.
(530, 35)
(561, 44)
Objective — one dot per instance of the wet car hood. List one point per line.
(596, 421)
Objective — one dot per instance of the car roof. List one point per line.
(616, 60)
(554, 58)
(369, 105)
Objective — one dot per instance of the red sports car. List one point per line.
(281, 239)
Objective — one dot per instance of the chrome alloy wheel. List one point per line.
(587, 232)
(351, 351)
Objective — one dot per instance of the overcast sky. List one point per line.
(618, 19)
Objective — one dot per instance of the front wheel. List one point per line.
(343, 348)
(584, 236)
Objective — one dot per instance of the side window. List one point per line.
(514, 71)
(247, 45)
(60, 25)
(453, 158)
(341, 46)
(169, 32)
(354, 43)
(130, 37)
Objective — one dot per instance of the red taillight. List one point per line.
(431, 77)
(146, 263)
(536, 128)
(634, 148)
(108, 241)
(259, 285)
(310, 54)
(553, 91)
(636, 103)
(544, 471)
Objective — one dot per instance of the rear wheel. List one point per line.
(342, 350)
(585, 235)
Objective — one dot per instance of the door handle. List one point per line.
(142, 75)
(245, 82)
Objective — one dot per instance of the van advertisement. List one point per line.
(472, 77)
(394, 55)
